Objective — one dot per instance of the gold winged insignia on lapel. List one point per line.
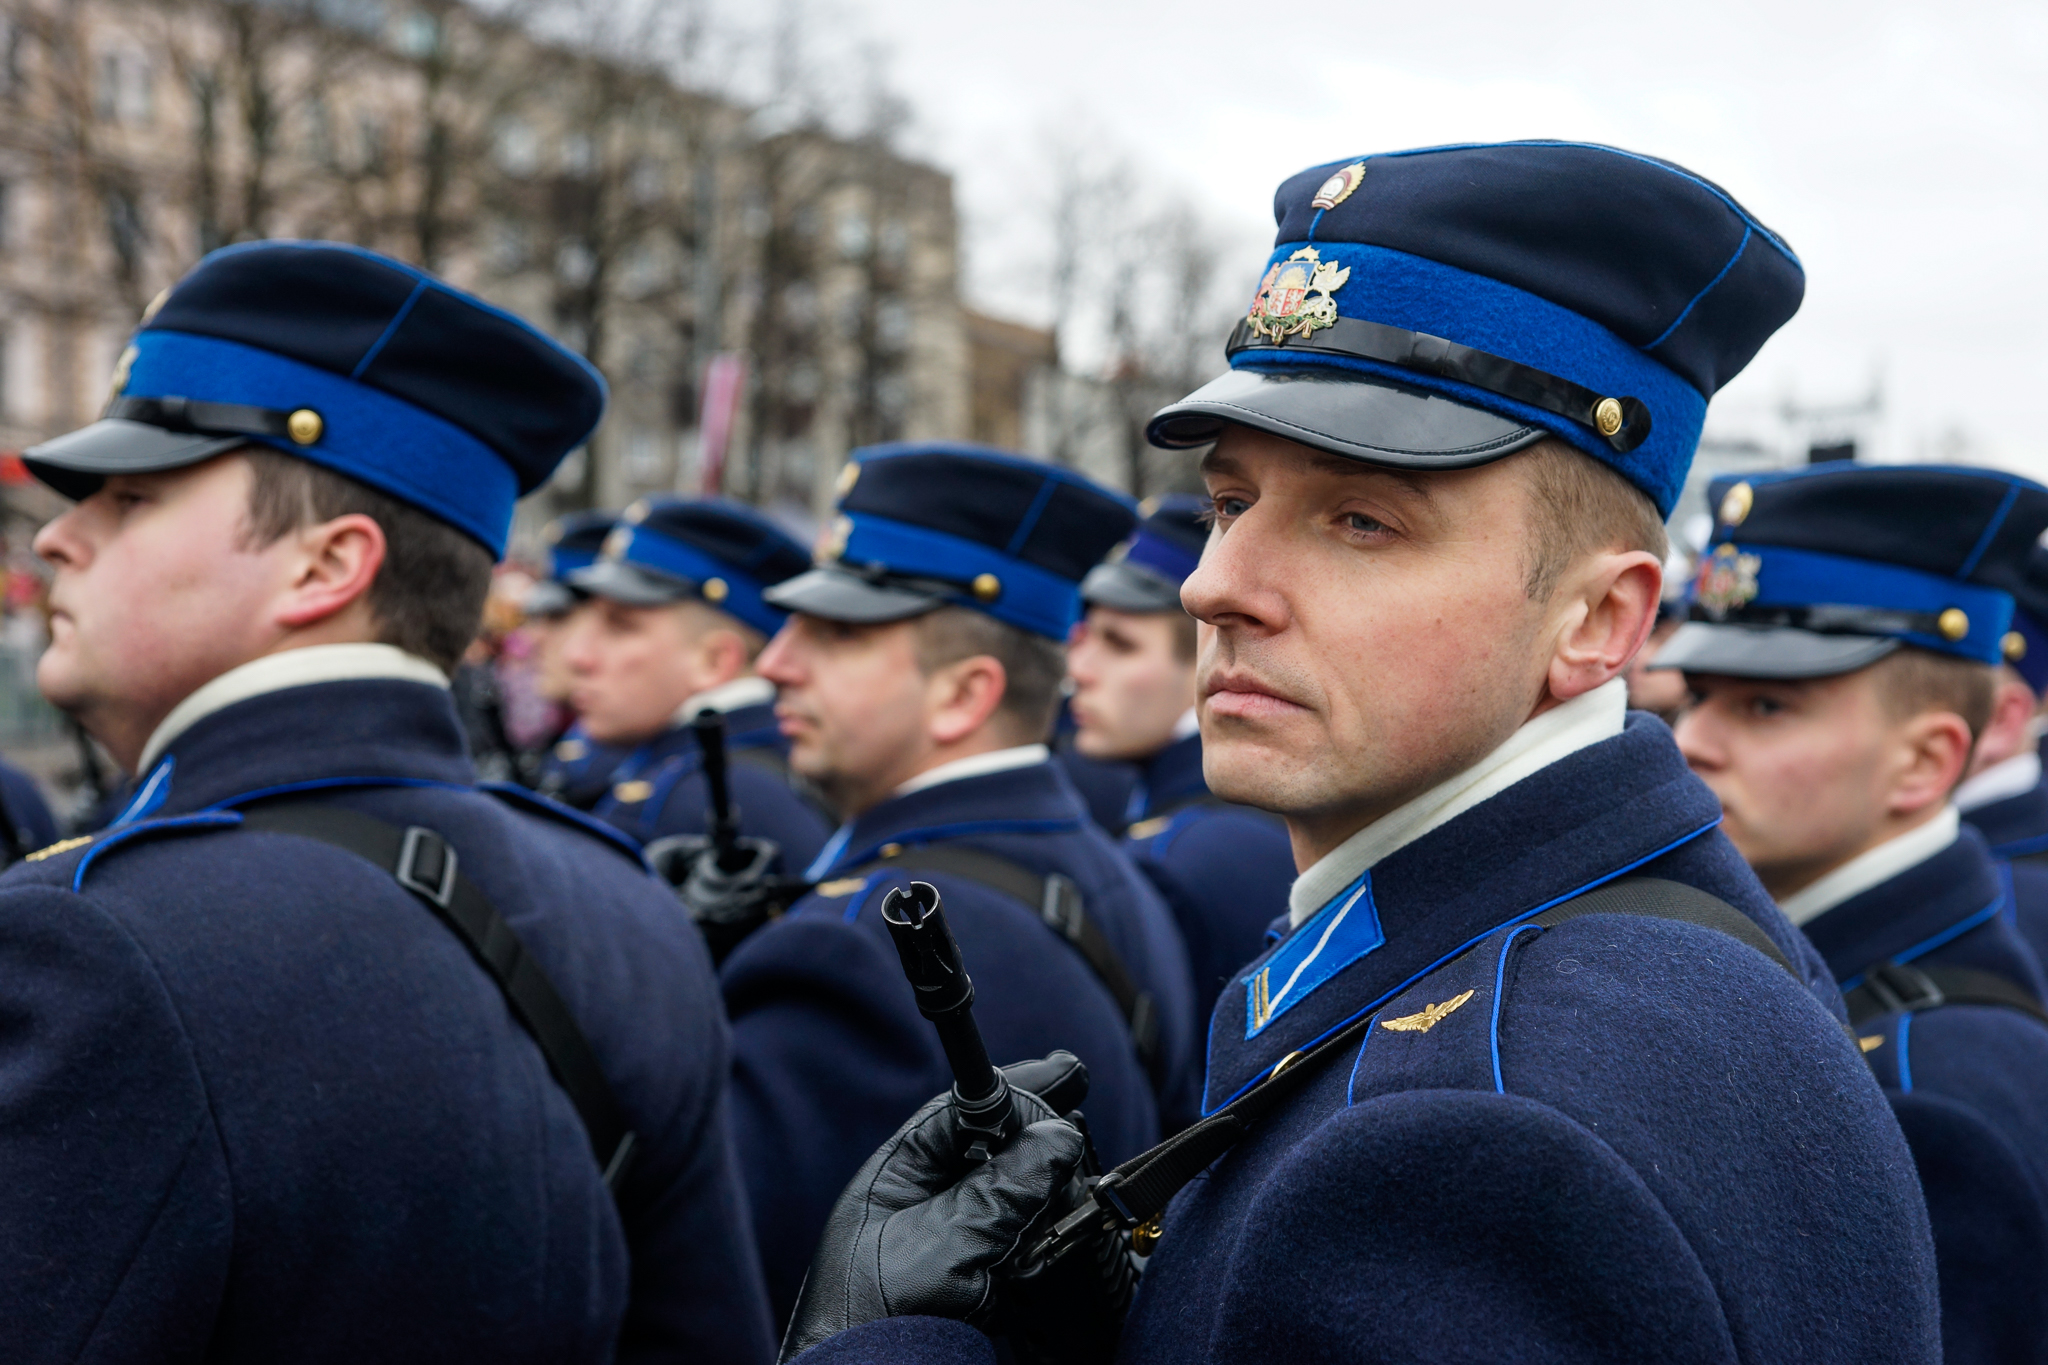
(1428, 1018)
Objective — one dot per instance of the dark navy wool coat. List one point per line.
(578, 770)
(659, 789)
(1634, 1140)
(257, 1103)
(2017, 830)
(830, 1054)
(1224, 870)
(1970, 1086)
(1105, 786)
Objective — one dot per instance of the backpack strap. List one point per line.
(1899, 988)
(1058, 903)
(425, 864)
(1137, 1192)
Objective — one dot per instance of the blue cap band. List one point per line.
(1162, 556)
(1028, 597)
(1809, 578)
(664, 554)
(367, 434)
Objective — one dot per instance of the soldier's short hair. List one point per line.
(1912, 682)
(1033, 666)
(427, 599)
(1582, 507)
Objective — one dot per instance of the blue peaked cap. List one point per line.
(1144, 574)
(721, 552)
(2030, 619)
(1820, 571)
(1445, 307)
(574, 540)
(922, 526)
(350, 360)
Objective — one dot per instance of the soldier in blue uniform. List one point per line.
(1223, 869)
(917, 677)
(576, 770)
(321, 1052)
(1535, 1069)
(1848, 621)
(675, 621)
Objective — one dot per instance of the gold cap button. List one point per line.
(1736, 503)
(1953, 624)
(987, 587)
(2015, 646)
(1607, 416)
(304, 426)
(715, 590)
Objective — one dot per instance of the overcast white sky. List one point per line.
(1898, 147)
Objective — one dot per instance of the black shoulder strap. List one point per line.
(770, 759)
(424, 864)
(1058, 902)
(1893, 987)
(1139, 1190)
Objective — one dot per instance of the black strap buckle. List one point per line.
(1061, 907)
(426, 864)
(1899, 988)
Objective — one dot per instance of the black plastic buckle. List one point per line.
(1062, 907)
(1900, 988)
(426, 864)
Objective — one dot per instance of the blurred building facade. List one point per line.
(649, 226)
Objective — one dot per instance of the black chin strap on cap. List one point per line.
(212, 419)
(1624, 423)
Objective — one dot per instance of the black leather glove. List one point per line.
(922, 1230)
(726, 905)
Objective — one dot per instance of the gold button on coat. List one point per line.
(2015, 646)
(987, 587)
(633, 793)
(304, 426)
(1953, 624)
(715, 590)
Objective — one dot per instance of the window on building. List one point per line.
(125, 91)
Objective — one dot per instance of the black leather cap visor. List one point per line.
(837, 595)
(78, 462)
(1129, 587)
(1736, 651)
(616, 581)
(549, 598)
(1359, 416)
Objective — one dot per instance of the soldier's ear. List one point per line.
(333, 564)
(1605, 610)
(964, 696)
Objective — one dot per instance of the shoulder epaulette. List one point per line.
(533, 802)
(98, 846)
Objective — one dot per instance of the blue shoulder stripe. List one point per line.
(527, 799)
(146, 829)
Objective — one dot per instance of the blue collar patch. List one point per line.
(1344, 930)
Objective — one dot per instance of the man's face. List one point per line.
(154, 596)
(1372, 632)
(852, 702)
(1803, 769)
(631, 668)
(1130, 682)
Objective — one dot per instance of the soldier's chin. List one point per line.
(1246, 774)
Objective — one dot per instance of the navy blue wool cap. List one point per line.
(352, 361)
(1444, 307)
(1821, 571)
(921, 526)
(721, 552)
(1144, 574)
(2030, 621)
(572, 543)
